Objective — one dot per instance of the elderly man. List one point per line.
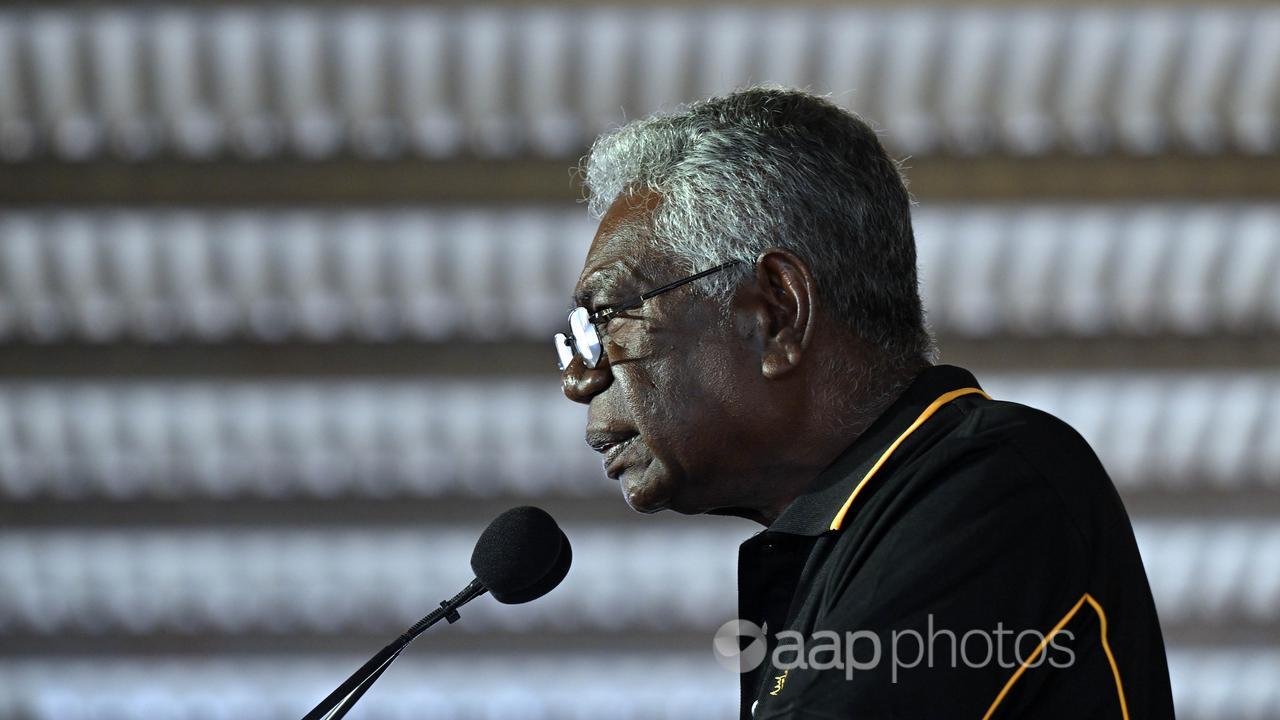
(750, 341)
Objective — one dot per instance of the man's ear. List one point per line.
(783, 295)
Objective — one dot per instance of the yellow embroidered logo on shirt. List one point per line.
(779, 681)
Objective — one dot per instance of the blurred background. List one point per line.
(277, 284)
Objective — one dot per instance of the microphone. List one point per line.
(521, 556)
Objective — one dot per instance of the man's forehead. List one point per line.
(620, 242)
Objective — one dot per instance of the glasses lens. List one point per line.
(564, 349)
(584, 336)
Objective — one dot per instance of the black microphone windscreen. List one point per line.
(521, 556)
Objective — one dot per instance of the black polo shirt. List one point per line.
(963, 558)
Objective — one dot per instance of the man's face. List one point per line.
(667, 404)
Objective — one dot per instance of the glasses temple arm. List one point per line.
(691, 278)
(605, 314)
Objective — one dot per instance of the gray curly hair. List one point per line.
(768, 166)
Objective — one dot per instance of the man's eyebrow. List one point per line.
(608, 275)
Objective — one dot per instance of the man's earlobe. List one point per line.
(785, 290)
(780, 359)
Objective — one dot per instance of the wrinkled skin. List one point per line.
(727, 414)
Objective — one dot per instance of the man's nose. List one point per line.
(582, 383)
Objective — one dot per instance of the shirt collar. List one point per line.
(811, 513)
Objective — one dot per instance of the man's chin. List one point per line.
(643, 495)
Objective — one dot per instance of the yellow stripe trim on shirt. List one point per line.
(1106, 648)
(929, 411)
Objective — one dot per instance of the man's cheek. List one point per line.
(627, 342)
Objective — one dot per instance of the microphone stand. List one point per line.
(345, 695)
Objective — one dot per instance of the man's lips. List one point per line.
(611, 444)
(612, 468)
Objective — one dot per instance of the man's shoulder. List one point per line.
(1031, 450)
(1040, 440)
(1000, 481)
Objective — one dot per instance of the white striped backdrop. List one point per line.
(306, 274)
(378, 82)
(273, 82)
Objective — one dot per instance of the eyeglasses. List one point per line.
(584, 336)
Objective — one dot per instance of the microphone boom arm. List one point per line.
(338, 702)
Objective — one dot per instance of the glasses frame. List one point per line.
(601, 317)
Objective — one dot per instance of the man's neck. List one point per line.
(826, 441)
